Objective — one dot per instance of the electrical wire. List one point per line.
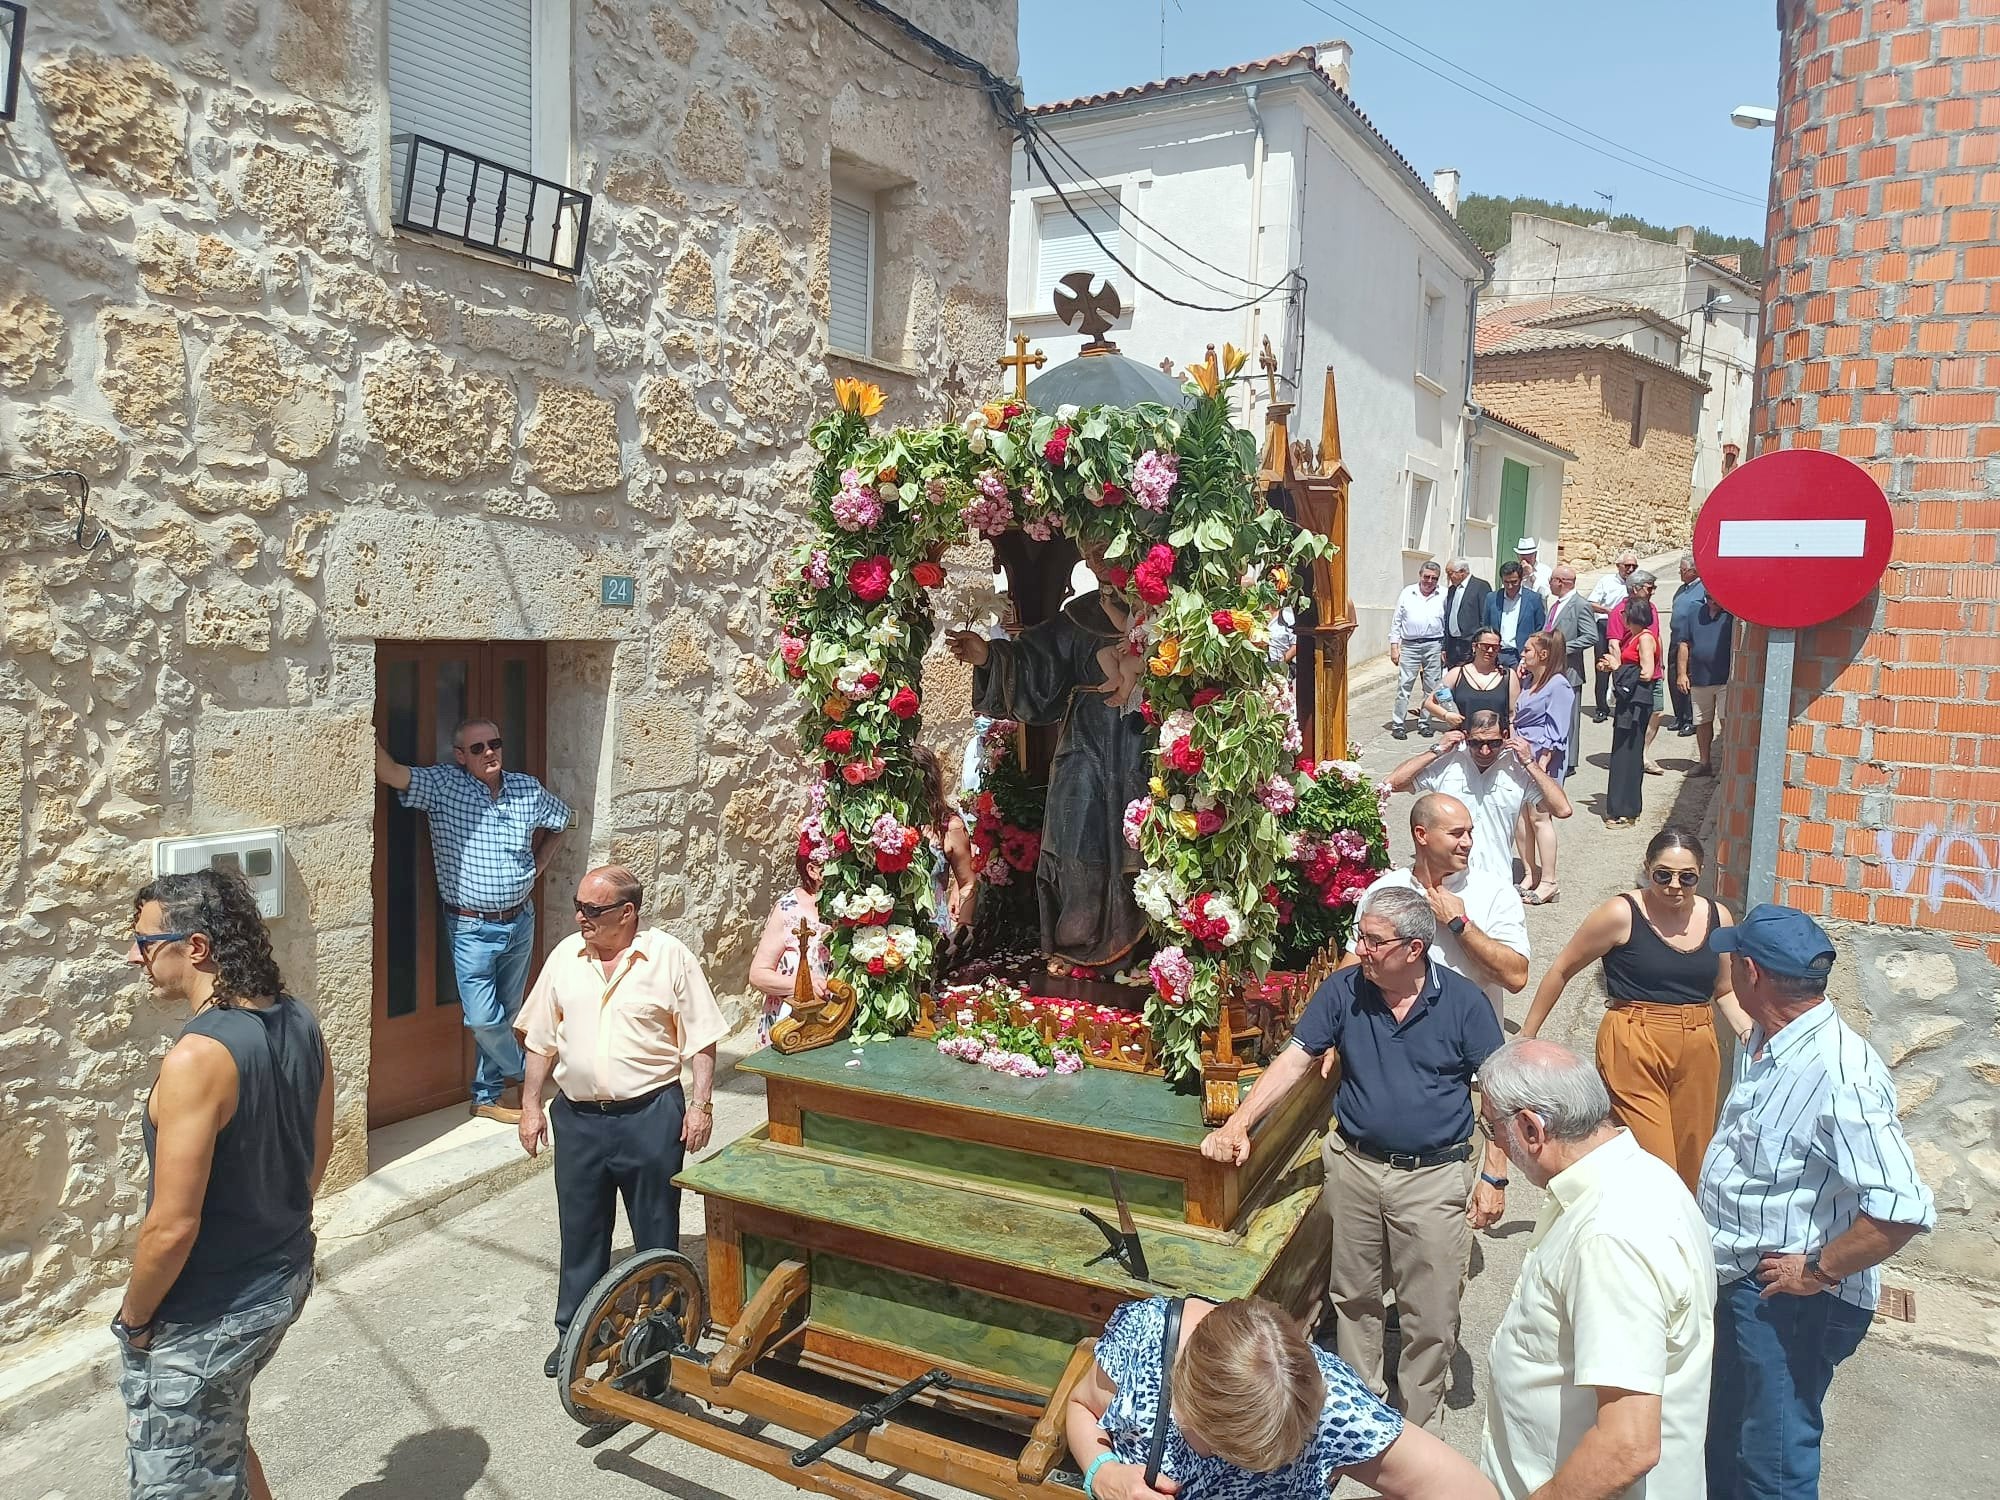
(883, 47)
(1589, 139)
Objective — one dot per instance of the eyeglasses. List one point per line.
(480, 747)
(1684, 877)
(1485, 645)
(145, 941)
(593, 911)
(1363, 943)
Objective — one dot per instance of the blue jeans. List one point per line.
(1774, 1360)
(491, 962)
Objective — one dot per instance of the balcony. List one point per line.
(443, 191)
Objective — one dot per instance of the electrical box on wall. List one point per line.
(258, 855)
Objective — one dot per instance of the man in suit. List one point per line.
(1464, 610)
(1515, 612)
(1570, 617)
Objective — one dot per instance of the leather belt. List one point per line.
(1412, 1161)
(1428, 640)
(488, 916)
(617, 1106)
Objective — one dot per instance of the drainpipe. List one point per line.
(1471, 415)
(1256, 225)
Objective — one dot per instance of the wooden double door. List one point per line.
(420, 1054)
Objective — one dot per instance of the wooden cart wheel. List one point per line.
(643, 1307)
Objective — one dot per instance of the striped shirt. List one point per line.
(1807, 1143)
(484, 846)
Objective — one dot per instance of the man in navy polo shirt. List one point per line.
(1408, 1035)
(493, 832)
(1701, 667)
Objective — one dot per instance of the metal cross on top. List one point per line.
(1020, 362)
(1090, 313)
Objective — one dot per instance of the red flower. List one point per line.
(1056, 449)
(903, 703)
(1206, 695)
(806, 849)
(1152, 576)
(1149, 713)
(1223, 621)
(1207, 820)
(869, 681)
(1271, 894)
(927, 575)
(893, 864)
(986, 806)
(1117, 577)
(839, 741)
(1112, 495)
(1185, 758)
(869, 578)
(877, 967)
(841, 842)
(1011, 410)
(1304, 766)
(1021, 848)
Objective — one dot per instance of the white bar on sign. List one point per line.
(1792, 539)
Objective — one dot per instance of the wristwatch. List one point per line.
(129, 1331)
(1457, 926)
(1491, 1181)
(1813, 1270)
(700, 1104)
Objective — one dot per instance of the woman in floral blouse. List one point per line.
(774, 970)
(1258, 1413)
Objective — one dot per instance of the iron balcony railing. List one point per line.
(444, 191)
(13, 29)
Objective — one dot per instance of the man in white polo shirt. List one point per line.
(1416, 646)
(1599, 1370)
(1494, 776)
(1482, 930)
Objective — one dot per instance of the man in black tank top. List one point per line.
(238, 1129)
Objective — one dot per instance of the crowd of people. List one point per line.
(1522, 652)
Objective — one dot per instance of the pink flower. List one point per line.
(1207, 820)
(1223, 621)
(1172, 974)
(869, 578)
(1153, 477)
(817, 572)
(856, 507)
(991, 511)
(1136, 813)
(1278, 795)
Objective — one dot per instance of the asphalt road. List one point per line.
(416, 1376)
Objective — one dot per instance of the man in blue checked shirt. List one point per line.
(493, 832)
(1808, 1186)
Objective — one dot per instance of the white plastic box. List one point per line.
(258, 854)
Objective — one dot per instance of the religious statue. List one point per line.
(1074, 669)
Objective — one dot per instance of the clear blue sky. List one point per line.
(1656, 76)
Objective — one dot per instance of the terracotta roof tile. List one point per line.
(1574, 307)
(1492, 340)
(1493, 416)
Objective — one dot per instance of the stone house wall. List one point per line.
(1615, 495)
(307, 433)
(1882, 343)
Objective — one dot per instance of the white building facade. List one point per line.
(1212, 187)
(1716, 305)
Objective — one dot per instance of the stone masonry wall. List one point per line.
(307, 433)
(1614, 495)
(1882, 342)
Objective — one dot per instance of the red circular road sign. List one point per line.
(1793, 538)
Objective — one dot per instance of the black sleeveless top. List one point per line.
(1646, 967)
(1470, 700)
(256, 1219)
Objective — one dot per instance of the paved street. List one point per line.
(416, 1376)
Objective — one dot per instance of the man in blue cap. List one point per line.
(1808, 1186)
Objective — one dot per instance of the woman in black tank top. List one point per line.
(1656, 1045)
(1479, 683)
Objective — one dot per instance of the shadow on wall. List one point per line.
(581, 707)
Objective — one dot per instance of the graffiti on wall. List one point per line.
(1941, 863)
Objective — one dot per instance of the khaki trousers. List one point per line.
(1662, 1067)
(1404, 1232)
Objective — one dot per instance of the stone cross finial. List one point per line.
(1268, 363)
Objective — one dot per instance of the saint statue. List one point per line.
(1075, 670)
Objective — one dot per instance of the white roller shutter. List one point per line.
(1066, 246)
(461, 72)
(850, 266)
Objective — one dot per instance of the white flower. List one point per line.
(1177, 803)
(974, 422)
(1203, 801)
(1066, 412)
(1158, 892)
(887, 631)
(975, 439)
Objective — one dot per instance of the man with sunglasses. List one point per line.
(1494, 776)
(238, 1129)
(493, 832)
(623, 1019)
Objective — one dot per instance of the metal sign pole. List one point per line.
(1774, 729)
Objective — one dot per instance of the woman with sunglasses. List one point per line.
(1479, 683)
(1656, 1044)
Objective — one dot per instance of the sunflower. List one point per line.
(857, 396)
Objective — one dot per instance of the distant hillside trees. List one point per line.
(1489, 221)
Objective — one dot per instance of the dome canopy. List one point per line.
(1103, 380)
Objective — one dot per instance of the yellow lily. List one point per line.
(861, 397)
(1281, 578)
(1234, 359)
(1202, 373)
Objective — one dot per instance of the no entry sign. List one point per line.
(1793, 538)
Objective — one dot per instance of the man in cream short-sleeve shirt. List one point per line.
(1600, 1366)
(624, 1020)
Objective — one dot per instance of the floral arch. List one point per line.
(1202, 563)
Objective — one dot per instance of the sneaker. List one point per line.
(1400, 731)
(500, 1114)
(1427, 729)
(552, 1366)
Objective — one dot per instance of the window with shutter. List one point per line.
(850, 268)
(1065, 245)
(461, 73)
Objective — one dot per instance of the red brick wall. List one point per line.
(1614, 495)
(1882, 342)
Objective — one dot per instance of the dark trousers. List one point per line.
(600, 1156)
(1603, 677)
(1624, 796)
(1683, 704)
(1774, 1359)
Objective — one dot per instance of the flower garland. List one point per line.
(1335, 847)
(1170, 500)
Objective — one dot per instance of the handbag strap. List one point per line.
(1170, 1341)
